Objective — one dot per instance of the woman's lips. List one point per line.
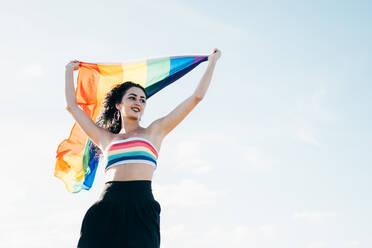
(135, 109)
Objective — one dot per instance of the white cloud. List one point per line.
(307, 137)
(240, 236)
(190, 156)
(254, 157)
(310, 112)
(268, 230)
(202, 152)
(24, 83)
(352, 244)
(32, 70)
(317, 245)
(187, 193)
(312, 217)
(317, 106)
(314, 107)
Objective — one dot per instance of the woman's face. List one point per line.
(133, 103)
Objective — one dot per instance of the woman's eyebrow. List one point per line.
(135, 95)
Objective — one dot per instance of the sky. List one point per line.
(277, 154)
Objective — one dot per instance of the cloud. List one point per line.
(352, 244)
(254, 157)
(190, 155)
(312, 217)
(24, 83)
(314, 107)
(312, 111)
(317, 245)
(32, 70)
(268, 230)
(203, 152)
(239, 236)
(307, 137)
(187, 193)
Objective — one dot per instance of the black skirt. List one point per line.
(125, 215)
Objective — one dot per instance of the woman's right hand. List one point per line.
(73, 65)
(215, 55)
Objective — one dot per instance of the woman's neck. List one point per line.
(129, 125)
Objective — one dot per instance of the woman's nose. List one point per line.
(139, 102)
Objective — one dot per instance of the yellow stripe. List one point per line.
(110, 75)
(131, 149)
(135, 72)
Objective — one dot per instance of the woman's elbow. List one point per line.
(198, 98)
(69, 108)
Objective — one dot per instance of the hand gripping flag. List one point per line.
(75, 164)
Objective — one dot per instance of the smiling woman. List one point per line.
(76, 164)
(126, 214)
(136, 101)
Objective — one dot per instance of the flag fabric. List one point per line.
(75, 164)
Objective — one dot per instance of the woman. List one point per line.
(126, 213)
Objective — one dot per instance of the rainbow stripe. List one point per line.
(75, 165)
(131, 150)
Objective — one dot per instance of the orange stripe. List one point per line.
(133, 143)
(87, 82)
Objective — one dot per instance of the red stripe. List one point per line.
(133, 143)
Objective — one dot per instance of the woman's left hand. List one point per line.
(73, 65)
(215, 55)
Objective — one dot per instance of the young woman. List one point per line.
(126, 213)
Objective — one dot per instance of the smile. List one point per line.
(135, 109)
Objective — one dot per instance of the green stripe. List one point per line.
(86, 158)
(111, 157)
(157, 69)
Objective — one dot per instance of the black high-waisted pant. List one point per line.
(125, 215)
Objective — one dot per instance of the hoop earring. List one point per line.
(117, 115)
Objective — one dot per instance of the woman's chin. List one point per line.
(135, 117)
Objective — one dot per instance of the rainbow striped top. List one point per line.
(131, 150)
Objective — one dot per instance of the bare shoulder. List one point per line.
(106, 139)
(152, 132)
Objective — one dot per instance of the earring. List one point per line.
(117, 115)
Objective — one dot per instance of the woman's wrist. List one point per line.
(212, 60)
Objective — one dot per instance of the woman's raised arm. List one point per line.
(167, 123)
(100, 136)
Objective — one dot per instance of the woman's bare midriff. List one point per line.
(129, 172)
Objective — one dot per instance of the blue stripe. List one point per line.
(178, 64)
(135, 153)
(129, 158)
(152, 89)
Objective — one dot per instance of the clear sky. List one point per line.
(278, 153)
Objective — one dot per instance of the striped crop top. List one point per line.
(131, 150)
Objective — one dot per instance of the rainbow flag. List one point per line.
(75, 165)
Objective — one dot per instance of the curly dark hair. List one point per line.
(106, 118)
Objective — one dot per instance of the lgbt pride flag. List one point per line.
(75, 165)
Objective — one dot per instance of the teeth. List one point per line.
(135, 109)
